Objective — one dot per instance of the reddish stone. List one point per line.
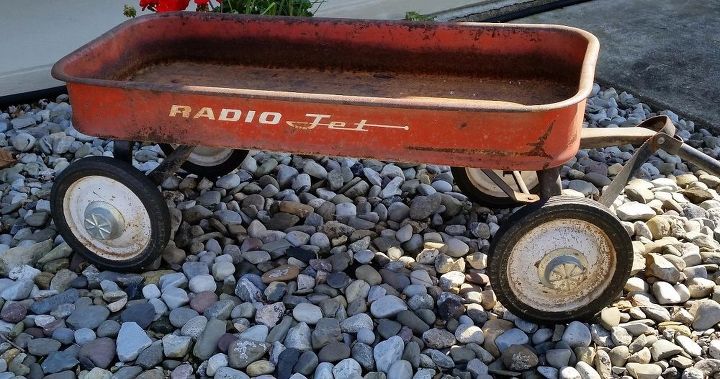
(283, 273)
(225, 341)
(203, 300)
(35, 332)
(13, 313)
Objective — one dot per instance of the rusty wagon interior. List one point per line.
(473, 64)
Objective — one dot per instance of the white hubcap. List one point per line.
(107, 217)
(485, 185)
(103, 221)
(208, 156)
(561, 265)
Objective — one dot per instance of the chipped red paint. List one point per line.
(501, 134)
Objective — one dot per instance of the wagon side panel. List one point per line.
(488, 139)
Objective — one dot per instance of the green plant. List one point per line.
(129, 11)
(415, 16)
(270, 7)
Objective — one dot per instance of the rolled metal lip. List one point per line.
(60, 69)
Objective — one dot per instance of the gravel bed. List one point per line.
(301, 267)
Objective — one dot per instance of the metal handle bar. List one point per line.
(700, 159)
(653, 134)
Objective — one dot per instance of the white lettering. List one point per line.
(225, 115)
(250, 116)
(315, 122)
(270, 118)
(312, 121)
(183, 110)
(205, 112)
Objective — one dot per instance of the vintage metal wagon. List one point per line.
(502, 104)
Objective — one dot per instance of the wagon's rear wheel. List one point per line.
(110, 213)
(210, 162)
(474, 183)
(562, 260)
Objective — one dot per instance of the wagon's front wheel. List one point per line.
(110, 213)
(562, 260)
(474, 183)
(210, 162)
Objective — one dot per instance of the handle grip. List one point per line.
(700, 159)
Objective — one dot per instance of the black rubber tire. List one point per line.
(233, 161)
(533, 215)
(466, 187)
(139, 184)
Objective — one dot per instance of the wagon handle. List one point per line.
(652, 135)
(700, 159)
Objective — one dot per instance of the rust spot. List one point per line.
(538, 148)
(453, 150)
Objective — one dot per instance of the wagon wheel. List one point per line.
(210, 162)
(474, 183)
(562, 260)
(110, 213)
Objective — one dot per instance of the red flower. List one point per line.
(148, 3)
(172, 5)
(201, 3)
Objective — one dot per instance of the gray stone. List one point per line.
(519, 358)
(307, 313)
(644, 371)
(228, 181)
(706, 313)
(131, 340)
(334, 352)
(558, 358)
(569, 373)
(17, 291)
(326, 331)
(243, 352)
(663, 349)
(23, 255)
(175, 297)
(230, 373)
(347, 368)
(88, 317)
(299, 337)
(438, 338)
(354, 323)
(400, 370)
(387, 306)
(577, 334)
(586, 371)
(511, 337)
(387, 352)
(423, 207)
(206, 344)
(469, 334)
(634, 211)
(150, 356)
(22, 142)
(42, 346)
(175, 346)
(60, 360)
(99, 352)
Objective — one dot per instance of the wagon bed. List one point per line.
(474, 95)
(357, 83)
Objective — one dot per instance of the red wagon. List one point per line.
(502, 104)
